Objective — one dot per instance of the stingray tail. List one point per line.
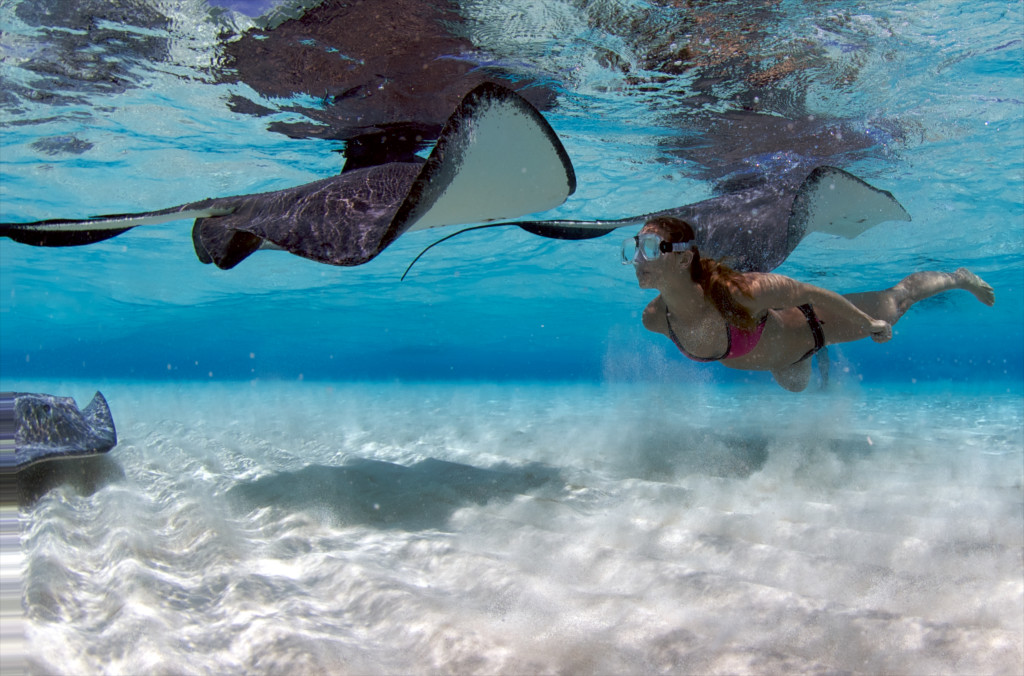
(91, 230)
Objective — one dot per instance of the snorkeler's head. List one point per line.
(721, 284)
(676, 231)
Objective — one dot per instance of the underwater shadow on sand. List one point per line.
(85, 476)
(386, 495)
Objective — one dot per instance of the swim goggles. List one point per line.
(647, 247)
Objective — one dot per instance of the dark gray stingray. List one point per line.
(38, 427)
(381, 70)
(383, 75)
(496, 158)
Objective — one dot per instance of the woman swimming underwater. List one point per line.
(764, 322)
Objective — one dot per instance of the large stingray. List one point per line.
(38, 427)
(496, 158)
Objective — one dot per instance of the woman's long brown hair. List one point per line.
(720, 283)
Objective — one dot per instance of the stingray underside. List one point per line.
(836, 202)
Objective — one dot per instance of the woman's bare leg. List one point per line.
(891, 304)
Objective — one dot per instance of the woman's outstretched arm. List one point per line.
(776, 292)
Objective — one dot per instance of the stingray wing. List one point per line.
(343, 220)
(828, 200)
(836, 202)
(496, 158)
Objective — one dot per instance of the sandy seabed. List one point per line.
(520, 528)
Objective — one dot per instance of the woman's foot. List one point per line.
(976, 285)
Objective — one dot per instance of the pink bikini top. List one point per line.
(741, 341)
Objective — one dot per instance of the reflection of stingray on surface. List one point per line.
(496, 158)
(382, 494)
(730, 83)
(387, 74)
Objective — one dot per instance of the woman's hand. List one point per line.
(880, 331)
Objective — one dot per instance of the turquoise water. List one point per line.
(500, 304)
(491, 466)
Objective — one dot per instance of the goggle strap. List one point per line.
(674, 247)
